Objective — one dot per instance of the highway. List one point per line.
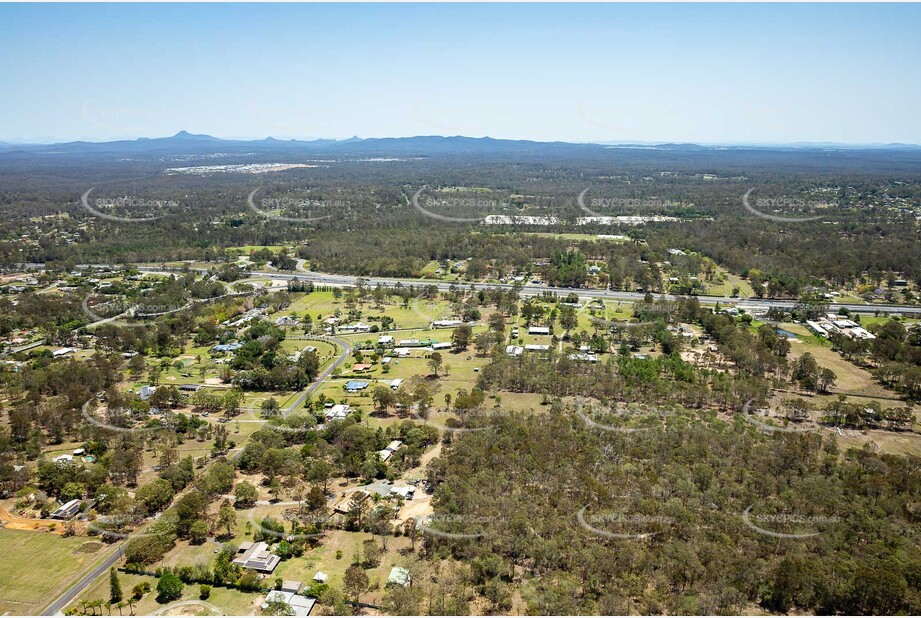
(537, 290)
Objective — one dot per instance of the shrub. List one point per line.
(169, 588)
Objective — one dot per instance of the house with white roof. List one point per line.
(338, 412)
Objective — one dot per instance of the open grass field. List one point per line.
(195, 448)
(895, 443)
(249, 249)
(324, 559)
(231, 602)
(729, 281)
(37, 566)
(322, 305)
(852, 380)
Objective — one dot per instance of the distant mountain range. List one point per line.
(185, 143)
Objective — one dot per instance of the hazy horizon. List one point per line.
(704, 74)
(52, 141)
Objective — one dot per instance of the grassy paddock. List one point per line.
(36, 567)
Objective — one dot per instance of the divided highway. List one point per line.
(537, 290)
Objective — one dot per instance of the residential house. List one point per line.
(256, 556)
(301, 605)
(338, 412)
(66, 511)
(353, 386)
(399, 577)
(146, 392)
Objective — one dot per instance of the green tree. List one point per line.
(278, 608)
(435, 362)
(198, 532)
(372, 554)
(227, 518)
(115, 586)
(245, 494)
(169, 588)
(383, 397)
(461, 337)
(356, 581)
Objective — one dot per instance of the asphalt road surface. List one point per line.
(537, 290)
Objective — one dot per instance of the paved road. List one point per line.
(57, 606)
(536, 290)
(346, 348)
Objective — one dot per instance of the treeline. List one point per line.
(546, 496)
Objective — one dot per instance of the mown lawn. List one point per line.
(36, 567)
(232, 602)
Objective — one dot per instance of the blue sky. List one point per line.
(695, 73)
